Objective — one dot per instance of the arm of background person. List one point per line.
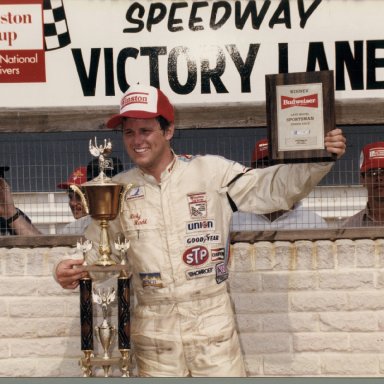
(16, 220)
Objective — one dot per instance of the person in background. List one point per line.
(372, 178)
(297, 217)
(13, 221)
(176, 217)
(80, 176)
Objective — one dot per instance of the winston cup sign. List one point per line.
(22, 57)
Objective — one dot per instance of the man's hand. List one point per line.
(335, 142)
(68, 276)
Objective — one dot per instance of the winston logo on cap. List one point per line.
(134, 98)
(376, 152)
(304, 101)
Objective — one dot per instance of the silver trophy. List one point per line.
(105, 332)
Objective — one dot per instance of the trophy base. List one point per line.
(105, 263)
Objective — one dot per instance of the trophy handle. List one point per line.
(124, 191)
(77, 190)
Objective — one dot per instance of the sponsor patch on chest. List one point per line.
(200, 226)
(221, 272)
(197, 205)
(135, 193)
(151, 279)
(214, 238)
(218, 254)
(196, 255)
(200, 272)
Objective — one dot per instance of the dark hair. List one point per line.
(164, 123)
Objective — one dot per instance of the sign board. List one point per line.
(79, 53)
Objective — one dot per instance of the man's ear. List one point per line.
(170, 131)
(362, 179)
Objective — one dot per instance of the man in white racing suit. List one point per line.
(176, 217)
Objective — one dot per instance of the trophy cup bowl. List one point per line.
(101, 200)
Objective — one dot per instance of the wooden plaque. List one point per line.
(300, 111)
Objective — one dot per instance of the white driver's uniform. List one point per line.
(183, 323)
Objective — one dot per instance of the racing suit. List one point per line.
(183, 323)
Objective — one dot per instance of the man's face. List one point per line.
(373, 180)
(75, 204)
(147, 144)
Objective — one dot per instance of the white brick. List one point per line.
(36, 265)
(304, 254)
(28, 286)
(265, 342)
(245, 282)
(241, 257)
(3, 307)
(318, 301)
(15, 262)
(19, 368)
(248, 322)
(345, 249)
(365, 253)
(361, 279)
(292, 365)
(379, 250)
(350, 364)
(320, 342)
(291, 322)
(59, 367)
(367, 300)
(264, 255)
(5, 351)
(325, 254)
(47, 346)
(367, 342)
(36, 307)
(34, 328)
(348, 321)
(260, 303)
(253, 365)
(284, 256)
(380, 279)
(283, 281)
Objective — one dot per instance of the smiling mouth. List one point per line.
(140, 150)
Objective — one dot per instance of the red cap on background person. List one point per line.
(77, 177)
(143, 102)
(372, 156)
(260, 154)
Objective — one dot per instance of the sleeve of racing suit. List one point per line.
(277, 187)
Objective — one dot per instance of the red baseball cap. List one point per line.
(77, 177)
(143, 102)
(372, 156)
(260, 151)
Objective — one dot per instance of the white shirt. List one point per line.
(296, 218)
(76, 227)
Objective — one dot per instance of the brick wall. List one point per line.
(303, 309)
